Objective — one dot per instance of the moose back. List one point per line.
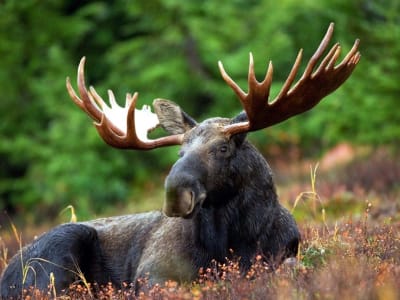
(220, 199)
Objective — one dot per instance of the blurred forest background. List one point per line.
(51, 155)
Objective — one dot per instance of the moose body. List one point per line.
(236, 214)
(220, 199)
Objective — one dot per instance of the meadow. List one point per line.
(349, 217)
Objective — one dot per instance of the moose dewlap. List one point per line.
(220, 199)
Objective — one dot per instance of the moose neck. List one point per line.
(232, 220)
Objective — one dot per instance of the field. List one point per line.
(349, 218)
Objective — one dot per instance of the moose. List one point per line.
(220, 198)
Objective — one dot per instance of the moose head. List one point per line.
(207, 148)
(220, 197)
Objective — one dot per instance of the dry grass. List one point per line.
(351, 260)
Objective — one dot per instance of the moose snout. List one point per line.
(184, 190)
(182, 197)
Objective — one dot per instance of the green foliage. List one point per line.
(50, 155)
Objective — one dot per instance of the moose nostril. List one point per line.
(186, 201)
(179, 202)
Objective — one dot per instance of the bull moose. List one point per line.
(220, 199)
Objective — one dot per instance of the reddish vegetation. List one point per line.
(350, 261)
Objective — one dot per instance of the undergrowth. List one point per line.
(351, 260)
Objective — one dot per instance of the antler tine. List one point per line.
(312, 62)
(86, 99)
(320, 51)
(257, 90)
(128, 140)
(74, 96)
(125, 135)
(350, 61)
(239, 92)
(96, 97)
(309, 90)
(292, 75)
(257, 97)
(329, 60)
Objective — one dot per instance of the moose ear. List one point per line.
(242, 117)
(240, 137)
(172, 118)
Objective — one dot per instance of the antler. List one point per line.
(305, 94)
(121, 127)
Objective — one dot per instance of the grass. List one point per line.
(350, 247)
(351, 260)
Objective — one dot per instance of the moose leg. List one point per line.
(282, 240)
(68, 252)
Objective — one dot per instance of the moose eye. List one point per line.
(223, 149)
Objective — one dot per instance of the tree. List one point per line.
(50, 155)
